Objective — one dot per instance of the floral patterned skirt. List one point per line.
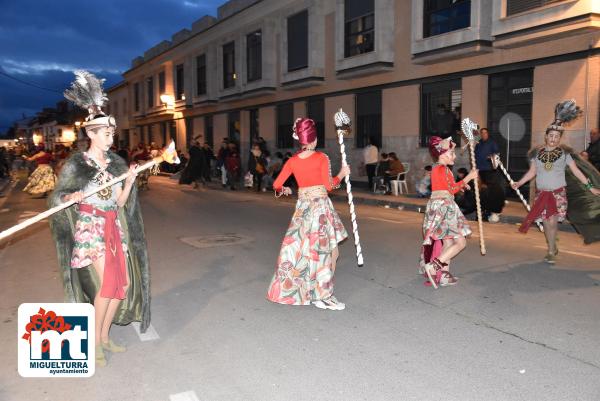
(561, 204)
(304, 270)
(443, 220)
(41, 180)
(89, 240)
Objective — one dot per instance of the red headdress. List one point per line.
(305, 131)
(439, 146)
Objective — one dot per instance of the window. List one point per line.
(441, 16)
(229, 76)
(518, 6)
(359, 27)
(254, 56)
(179, 82)
(189, 131)
(201, 75)
(136, 96)
(285, 123)
(253, 126)
(297, 38)
(441, 110)
(161, 83)
(233, 122)
(368, 117)
(125, 111)
(208, 130)
(150, 91)
(315, 109)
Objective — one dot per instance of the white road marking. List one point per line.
(149, 335)
(585, 255)
(187, 396)
(386, 220)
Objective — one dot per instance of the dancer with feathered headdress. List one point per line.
(100, 240)
(555, 184)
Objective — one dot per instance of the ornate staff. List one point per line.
(342, 123)
(496, 162)
(468, 127)
(169, 155)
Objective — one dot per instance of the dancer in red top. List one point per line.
(444, 226)
(309, 252)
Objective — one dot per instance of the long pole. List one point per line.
(496, 161)
(342, 122)
(477, 199)
(8, 232)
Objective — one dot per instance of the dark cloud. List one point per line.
(42, 41)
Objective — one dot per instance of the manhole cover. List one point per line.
(209, 241)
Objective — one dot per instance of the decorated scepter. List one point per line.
(468, 127)
(342, 124)
(497, 163)
(169, 155)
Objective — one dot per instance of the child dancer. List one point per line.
(309, 252)
(444, 226)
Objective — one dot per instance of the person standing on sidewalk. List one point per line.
(444, 227)
(370, 159)
(309, 252)
(485, 149)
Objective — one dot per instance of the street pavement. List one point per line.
(513, 328)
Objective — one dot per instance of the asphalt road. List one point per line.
(512, 329)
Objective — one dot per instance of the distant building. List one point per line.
(402, 69)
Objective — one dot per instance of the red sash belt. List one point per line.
(545, 201)
(115, 276)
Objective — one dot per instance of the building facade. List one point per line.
(403, 70)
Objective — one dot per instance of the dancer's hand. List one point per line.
(515, 185)
(77, 197)
(472, 175)
(287, 191)
(131, 174)
(595, 191)
(344, 171)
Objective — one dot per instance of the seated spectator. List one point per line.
(273, 169)
(424, 183)
(382, 166)
(396, 167)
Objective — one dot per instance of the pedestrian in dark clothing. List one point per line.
(257, 165)
(592, 153)
(193, 172)
(233, 164)
(484, 150)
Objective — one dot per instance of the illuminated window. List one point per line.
(179, 81)
(229, 65)
(359, 18)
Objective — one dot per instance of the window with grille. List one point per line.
(150, 91)
(285, 123)
(229, 65)
(359, 27)
(179, 79)
(201, 75)
(297, 36)
(442, 16)
(315, 109)
(519, 6)
(368, 118)
(254, 56)
(441, 110)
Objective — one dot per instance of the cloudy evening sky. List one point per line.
(43, 41)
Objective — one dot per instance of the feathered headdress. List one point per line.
(87, 92)
(564, 112)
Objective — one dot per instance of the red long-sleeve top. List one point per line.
(443, 180)
(311, 171)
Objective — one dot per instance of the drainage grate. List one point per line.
(209, 241)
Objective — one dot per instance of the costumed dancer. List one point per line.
(309, 251)
(444, 227)
(556, 187)
(100, 241)
(42, 180)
